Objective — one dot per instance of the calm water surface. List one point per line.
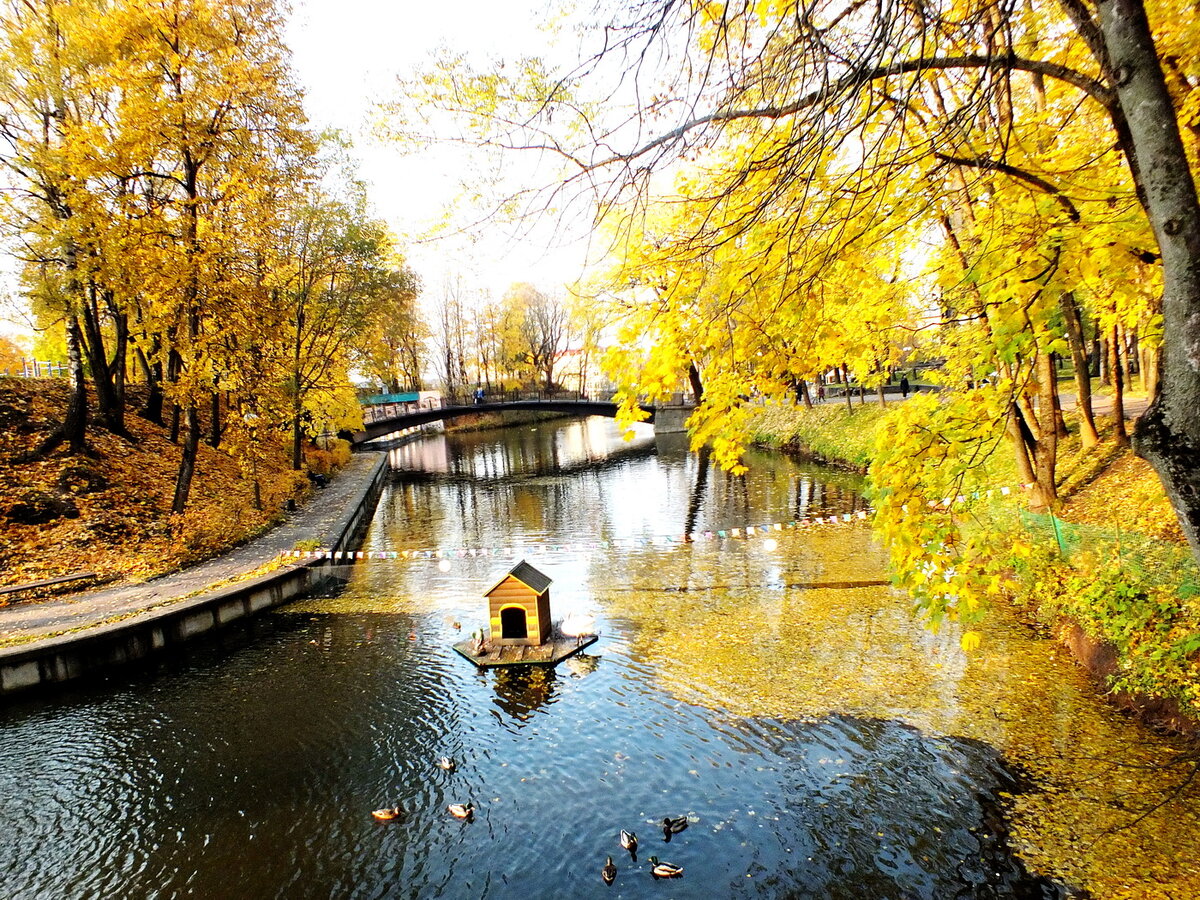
(249, 769)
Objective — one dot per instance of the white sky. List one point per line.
(347, 54)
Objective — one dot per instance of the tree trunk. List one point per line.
(1060, 424)
(1045, 456)
(187, 461)
(74, 426)
(1119, 431)
(214, 425)
(806, 395)
(1021, 439)
(1105, 360)
(152, 411)
(695, 381)
(1168, 435)
(1150, 371)
(112, 412)
(297, 437)
(117, 365)
(1083, 383)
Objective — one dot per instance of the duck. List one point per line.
(629, 840)
(447, 763)
(675, 824)
(461, 810)
(389, 814)
(609, 872)
(664, 869)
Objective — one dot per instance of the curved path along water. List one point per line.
(312, 522)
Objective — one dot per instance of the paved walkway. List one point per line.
(312, 522)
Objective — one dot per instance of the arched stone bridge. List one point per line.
(666, 419)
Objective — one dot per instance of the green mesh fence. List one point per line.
(1151, 561)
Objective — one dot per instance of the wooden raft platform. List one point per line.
(546, 654)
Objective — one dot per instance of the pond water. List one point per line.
(820, 742)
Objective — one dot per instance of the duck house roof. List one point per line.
(536, 581)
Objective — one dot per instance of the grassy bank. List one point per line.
(829, 432)
(1112, 561)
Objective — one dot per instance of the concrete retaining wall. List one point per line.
(101, 647)
(671, 419)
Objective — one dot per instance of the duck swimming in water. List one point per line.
(390, 814)
(462, 810)
(609, 872)
(629, 840)
(664, 869)
(675, 824)
(447, 763)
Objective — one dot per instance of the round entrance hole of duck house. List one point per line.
(519, 607)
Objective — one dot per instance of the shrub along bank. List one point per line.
(1109, 573)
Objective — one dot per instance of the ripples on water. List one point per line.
(250, 769)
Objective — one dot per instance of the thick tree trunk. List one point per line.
(112, 411)
(806, 395)
(1083, 384)
(1168, 435)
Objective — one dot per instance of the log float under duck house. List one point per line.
(520, 628)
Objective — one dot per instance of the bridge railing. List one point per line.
(381, 411)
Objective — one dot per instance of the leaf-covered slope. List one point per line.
(108, 511)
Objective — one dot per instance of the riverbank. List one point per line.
(1109, 576)
(60, 640)
(108, 511)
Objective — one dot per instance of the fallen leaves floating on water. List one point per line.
(769, 650)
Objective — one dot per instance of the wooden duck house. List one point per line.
(519, 608)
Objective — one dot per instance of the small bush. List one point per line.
(326, 462)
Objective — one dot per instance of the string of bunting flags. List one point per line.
(741, 533)
(725, 534)
(947, 502)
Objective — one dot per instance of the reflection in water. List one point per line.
(522, 691)
(581, 665)
(820, 742)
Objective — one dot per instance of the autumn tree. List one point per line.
(392, 345)
(543, 328)
(10, 356)
(450, 339)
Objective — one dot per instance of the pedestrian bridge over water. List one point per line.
(666, 419)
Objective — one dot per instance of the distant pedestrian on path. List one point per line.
(904, 386)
